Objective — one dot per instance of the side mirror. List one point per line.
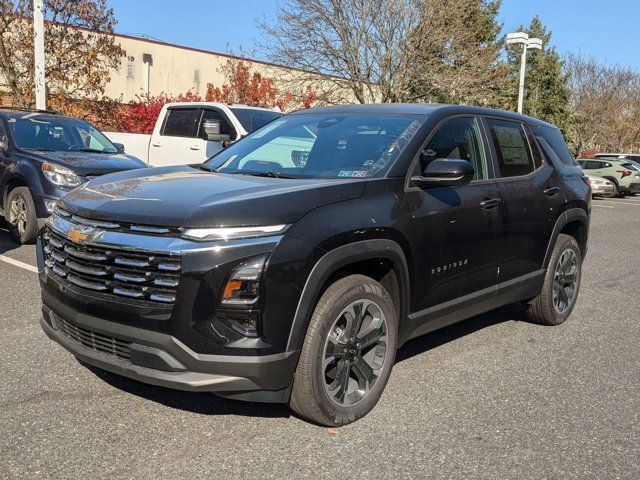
(211, 130)
(444, 172)
(119, 147)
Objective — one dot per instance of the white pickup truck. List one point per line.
(191, 132)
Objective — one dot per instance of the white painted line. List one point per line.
(604, 206)
(17, 263)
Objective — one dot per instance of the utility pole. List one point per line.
(38, 40)
(522, 38)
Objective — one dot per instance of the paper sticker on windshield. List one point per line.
(353, 173)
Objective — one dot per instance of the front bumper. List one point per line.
(602, 190)
(160, 359)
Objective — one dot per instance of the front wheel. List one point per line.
(21, 215)
(348, 353)
(561, 284)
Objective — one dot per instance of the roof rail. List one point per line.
(27, 109)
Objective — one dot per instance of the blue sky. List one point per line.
(592, 27)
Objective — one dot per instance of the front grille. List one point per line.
(97, 342)
(121, 273)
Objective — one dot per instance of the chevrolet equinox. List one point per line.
(292, 265)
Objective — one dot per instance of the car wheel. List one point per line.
(21, 215)
(348, 353)
(561, 284)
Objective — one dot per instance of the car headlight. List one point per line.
(232, 233)
(240, 309)
(60, 176)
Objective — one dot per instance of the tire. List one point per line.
(320, 393)
(21, 216)
(555, 302)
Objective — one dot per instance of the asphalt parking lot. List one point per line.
(493, 397)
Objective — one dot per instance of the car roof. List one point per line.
(420, 109)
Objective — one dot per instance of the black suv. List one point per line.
(43, 155)
(292, 265)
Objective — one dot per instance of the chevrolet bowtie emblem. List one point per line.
(77, 236)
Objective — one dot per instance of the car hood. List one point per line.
(189, 197)
(91, 164)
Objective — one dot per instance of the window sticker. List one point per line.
(353, 173)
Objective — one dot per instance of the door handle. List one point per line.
(490, 203)
(156, 144)
(195, 147)
(551, 191)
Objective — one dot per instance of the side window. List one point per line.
(459, 138)
(535, 149)
(511, 146)
(225, 128)
(590, 165)
(554, 138)
(181, 122)
(3, 136)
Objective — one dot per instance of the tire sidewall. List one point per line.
(365, 290)
(32, 221)
(564, 243)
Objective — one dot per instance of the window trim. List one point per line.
(416, 158)
(494, 154)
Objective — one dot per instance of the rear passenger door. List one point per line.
(530, 189)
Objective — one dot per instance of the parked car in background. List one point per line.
(191, 132)
(624, 175)
(268, 275)
(620, 156)
(44, 155)
(601, 187)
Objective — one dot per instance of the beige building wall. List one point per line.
(171, 69)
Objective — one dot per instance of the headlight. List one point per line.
(232, 233)
(63, 177)
(243, 285)
(239, 304)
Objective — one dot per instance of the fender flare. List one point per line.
(564, 218)
(336, 259)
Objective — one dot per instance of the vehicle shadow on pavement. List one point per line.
(195, 402)
(6, 242)
(441, 337)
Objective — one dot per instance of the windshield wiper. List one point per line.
(91, 150)
(265, 174)
(41, 149)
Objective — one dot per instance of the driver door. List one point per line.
(457, 229)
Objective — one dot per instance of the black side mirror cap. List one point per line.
(445, 172)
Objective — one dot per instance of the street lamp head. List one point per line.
(518, 38)
(535, 43)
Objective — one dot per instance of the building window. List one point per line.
(196, 76)
(130, 70)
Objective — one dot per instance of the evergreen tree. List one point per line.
(547, 94)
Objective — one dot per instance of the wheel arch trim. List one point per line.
(333, 261)
(570, 215)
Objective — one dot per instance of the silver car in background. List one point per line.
(601, 187)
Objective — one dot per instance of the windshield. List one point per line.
(253, 119)
(35, 131)
(320, 146)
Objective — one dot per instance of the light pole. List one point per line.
(522, 38)
(38, 40)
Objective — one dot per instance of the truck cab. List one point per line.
(191, 132)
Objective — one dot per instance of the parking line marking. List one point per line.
(18, 263)
(603, 206)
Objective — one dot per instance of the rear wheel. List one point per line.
(561, 284)
(348, 353)
(21, 215)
